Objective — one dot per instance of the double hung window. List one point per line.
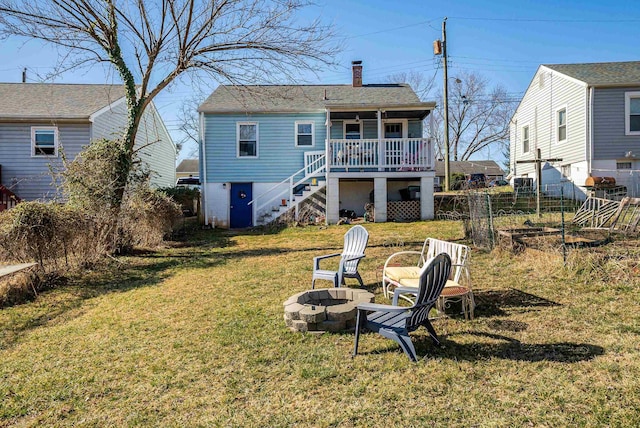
(305, 134)
(561, 124)
(632, 113)
(247, 135)
(525, 139)
(44, 141)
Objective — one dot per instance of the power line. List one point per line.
(392, 29)
(586, 21)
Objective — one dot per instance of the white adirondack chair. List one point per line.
(355, 242)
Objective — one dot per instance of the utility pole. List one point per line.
(445, 106)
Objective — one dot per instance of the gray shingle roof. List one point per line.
(53, 100)
(602, 73)
(188, 165)
(487, 167)
(307, 98)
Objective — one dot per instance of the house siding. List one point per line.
(610, 141)
(156, 149)
(278, 156)
(30, 177)
(537, 109)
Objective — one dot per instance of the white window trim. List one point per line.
(238, 140)
(351, 122)
(313, 132)
(566, 124)
(34, 129)
(627, 112)
(526, 125)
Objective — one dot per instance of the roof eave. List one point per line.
(613, 85)
(23, 118)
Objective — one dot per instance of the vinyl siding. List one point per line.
(159, 157)
(609, 139)
(278, 156)
(110, 123)
(157, 149)
(538, 109)
(30, 177)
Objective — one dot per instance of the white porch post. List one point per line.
(333, 200)
(426, 198)
(380, 199)
(380, 147)
(327, 142)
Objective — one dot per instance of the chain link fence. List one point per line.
(484, 211)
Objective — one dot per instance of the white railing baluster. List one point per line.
(397, 154)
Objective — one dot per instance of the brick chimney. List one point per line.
(356, 67)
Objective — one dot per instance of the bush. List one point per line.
(101, 217)
(142, 217)
(55, 236)
(148, 216)
(187, 198)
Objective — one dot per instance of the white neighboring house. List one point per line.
(40, 121)
(588, 115)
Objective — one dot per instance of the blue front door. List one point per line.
(241, 211)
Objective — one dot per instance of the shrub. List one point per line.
(187, 198)
(148, 216)
(144, 215)
(54, 235)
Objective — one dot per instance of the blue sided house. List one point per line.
(316, 151)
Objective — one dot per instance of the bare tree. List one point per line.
(421, 84)
(149, 43)
(189, 124)
(478, 117)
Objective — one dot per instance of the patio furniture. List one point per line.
(458, 287)
(396, 322)
(355, 242)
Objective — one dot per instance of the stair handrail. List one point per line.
(319, 169)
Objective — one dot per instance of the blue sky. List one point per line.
(503, 40)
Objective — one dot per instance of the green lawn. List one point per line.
(193, 335)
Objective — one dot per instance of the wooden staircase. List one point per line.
(311, 201)
(288, 196)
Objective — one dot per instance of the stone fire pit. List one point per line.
(332, 309)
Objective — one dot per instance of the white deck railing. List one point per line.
(389, 154)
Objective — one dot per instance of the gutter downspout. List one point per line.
(203, 179)
(589, 148)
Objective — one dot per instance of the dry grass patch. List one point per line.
(193, 335)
